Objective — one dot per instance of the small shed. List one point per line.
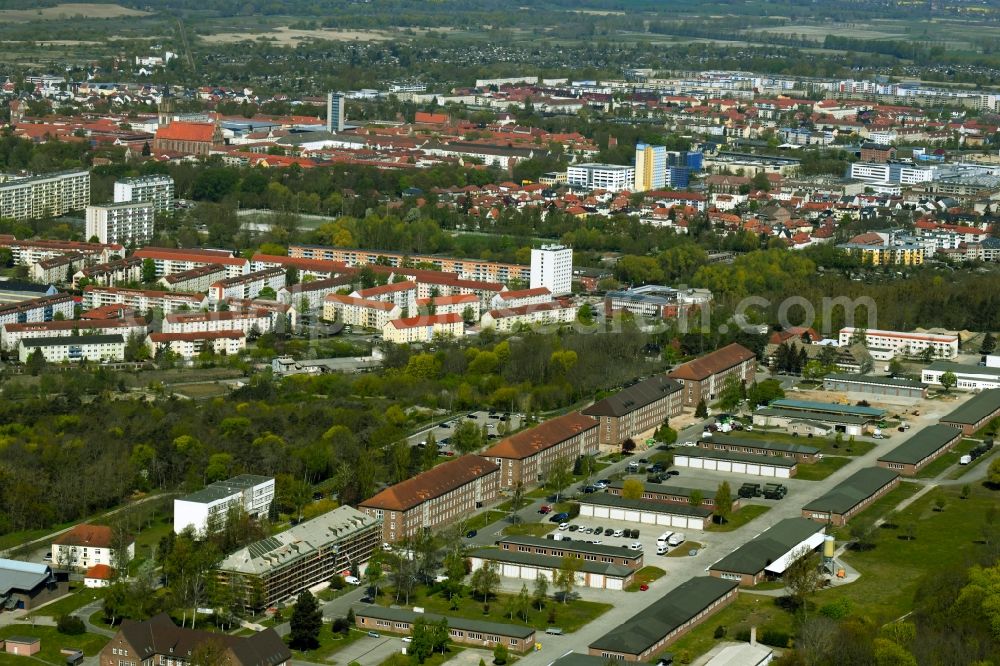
(23, 646)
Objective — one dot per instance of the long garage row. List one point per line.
(646, 512)
(737, 463)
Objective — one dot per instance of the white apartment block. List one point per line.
(423, 329)
(611, 177)
(156, 190)
(893, 343)
(142, 300)
(515, 299)
(196, 280)
(46, 308)
(247, 286)
(12, 334)
(363, 312)
(124, 223)
(284, 317)
(85, 546)
(30, 252)
(57, 269)
(207, 509)
(542, 314)
(189, 345)
(51, 194)
(95, 348)
(169, 261)
(552, 268)
(431, 283)
(402, 294)
(258, 321)
(308, 296)
(456, 304)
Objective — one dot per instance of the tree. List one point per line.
(696, 498)
(540, 591)
(421, 641)
(993, 473)
(895, 367)
(862, 531)
(148, 270)
(948, 380)
(989, 344)
(803, 576)
(500, 654)
(467, 437)
(306, 622)
(429, 456)
(723, 503)
(733, 392)
(665, 434)
(440, 636)
(210, 652)
(633, 489)
(374, 574)
(701, 411)
(486, 580)
(566, 576)
(516, 502)
(764, 392)
(36, 362)
(560, 475)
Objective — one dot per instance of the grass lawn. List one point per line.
(434, 660)
(682, 550)
(481, 520)
(746, 513)
(947, 460)
(569, 616)
(890, 573)
(529, 529)
(964, 469)
(79, 597)
(645, 575)
(329, 643)
(749, 610)
(818, 471)
(537, 493)
(825, 445)
(53, 641)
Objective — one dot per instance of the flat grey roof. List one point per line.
(222, 489)
(579, 546)
(664, 489)
(647, 627)
(777, 461)
(878, 381)
(852, 491)
(730, 440)
(806, 415)
(980, 407)
(551, 561)
(755, 555)
(834, 408)
(963, 369)
(454, 622)
(922, 444)
(606, 499)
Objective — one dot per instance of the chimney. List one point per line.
(753, 635)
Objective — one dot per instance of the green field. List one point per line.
(744, 515)
(329, 644)
(818, 471)
(947, 460)
(52, 642)
(645, 576)
(826, 445)
(79, 597)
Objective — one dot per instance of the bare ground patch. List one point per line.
(93, 10)
(286, 36)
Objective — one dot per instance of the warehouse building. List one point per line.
(737, 463)
(828, 408)
(603, 506)
(25, 585)
(760, 447)
(637, 409)
(975, 413)
(898, 387)
(664, 621)
(921, 449)
(967, 377)
(807, 423)
(463, 631)
(767, 555)
(851, 496)
(528, 566)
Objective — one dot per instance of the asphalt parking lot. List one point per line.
(444, 430)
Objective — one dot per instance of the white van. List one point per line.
(676, 539)
(662, 548)
(965, 460)
(663, 538)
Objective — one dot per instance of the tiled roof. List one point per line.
(359, 302)
(100, 572)
(433, 483)
(181, 131)
(92, 536)
(426, 320)
(530, 442)
(634, 397)
(716, 362)
(160, 636)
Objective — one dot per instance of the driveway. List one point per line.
(370, 651)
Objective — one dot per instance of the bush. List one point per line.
(720, 632)
(337, 583)
(70, 625)
(775, 638)
(837, 610)
(340, 625)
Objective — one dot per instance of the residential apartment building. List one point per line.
(19, 291)
(142, 300)
(401, 294)
(354, 311)
(159, 641)
(11, 334)
(195, 280)
(515, 299)
(591, 176)
(552, 268)
(897, 343)
(526, 457)
(73, 349)
(310, 296)
(279, 567)
(38, 309)
(283, 317)
(891, 254)
(466, 269)
(423, 328)
(57, 269)
(206, 510)
(553, 313)
(461, 304)
(650, 167)
(877, 152)
(967, 377)
(49, 195)
(118, 271)
(703, 378)
(443, 494)
(190, 345)
(251, 322)
(249, 285)
(636, 411)
(653, 301)
(125, 223)
(30, 252)
(84, 546)
(156, 190)
(318, 269)
(893, 172)
(170, 260)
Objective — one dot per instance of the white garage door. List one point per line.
(738, 468)
(512, 571)
(632, 516)
(614, 583)
(616, 514)
(596, 580)
(756, 470)
(724, 466)
(783, 473)
(586, 510)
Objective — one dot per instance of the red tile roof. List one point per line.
(100, 572)
(360, 302)
(530, 442)
(181, 131)
(92, 536)
(433, 483)
(426, 320)
(711, 364)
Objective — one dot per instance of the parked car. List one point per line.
(544, 509)
(352, 580)
(367, 599)
(470, 534)
(559, 517)
(618, 533)
(655, 467)
(643, 461)
(590, 489)
(609, 532)
(374, 634)
(672, 472)
(598, 531)
(589, 530)
(574, 528)
(643, 587)
(563, 527)
(635, 546)
(662, 549)
(676, 539)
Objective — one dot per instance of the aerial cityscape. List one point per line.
(568, 333)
